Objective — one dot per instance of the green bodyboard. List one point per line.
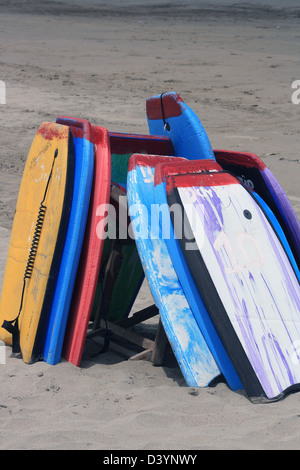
(130, 274)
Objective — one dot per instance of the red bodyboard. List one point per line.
(90, 260)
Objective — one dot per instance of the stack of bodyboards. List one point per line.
(211, 230)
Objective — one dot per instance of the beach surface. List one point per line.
(234, 65)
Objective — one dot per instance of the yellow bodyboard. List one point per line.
(37, 237)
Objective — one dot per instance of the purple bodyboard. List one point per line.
(244, 277)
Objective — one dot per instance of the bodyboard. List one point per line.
(37, 239)
(255, 174)
(125, 286)
(92, 248)
(168, 115)
(241, 271)
(84, 163)
(124, 145)
(121, 273)
(195, 301)
(193, 356)
(130, 274)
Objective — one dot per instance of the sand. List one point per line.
(234, 64)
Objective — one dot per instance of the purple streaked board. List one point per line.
(244, 276)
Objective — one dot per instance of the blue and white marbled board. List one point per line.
(254, 280)
(191, 351)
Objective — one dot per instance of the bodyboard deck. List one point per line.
(84, 163)
(194, 357)
(37, 237)
(196, 303)
(125, 286)
(121, 273)
(92, 249)
(130, 274)
(241, 270)
(255, 174)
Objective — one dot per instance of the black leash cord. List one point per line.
(12, 326)
(166, 124)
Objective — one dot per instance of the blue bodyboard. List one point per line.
(84, 164)
(191, 351)
(170, 116)
(194, 300)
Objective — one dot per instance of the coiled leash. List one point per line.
(12, 326)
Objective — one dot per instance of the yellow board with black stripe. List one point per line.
(37, 240)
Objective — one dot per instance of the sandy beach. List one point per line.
(234, 65)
